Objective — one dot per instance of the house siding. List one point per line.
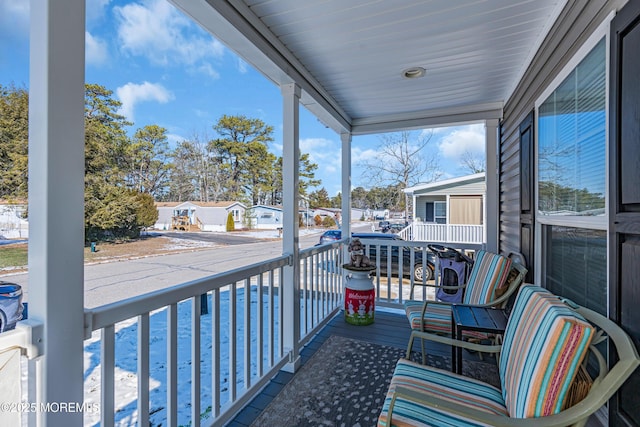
(272, 222)
(573, 27)
(212, 215)
(471, 188)
(421, 204)
(435, 192)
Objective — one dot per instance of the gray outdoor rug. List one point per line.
(345, 383)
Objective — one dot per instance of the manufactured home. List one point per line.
(448, 211)
(199, 216)
(265, 217)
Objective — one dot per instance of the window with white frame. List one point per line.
(572, 179)
(436, 212)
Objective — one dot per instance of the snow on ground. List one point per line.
(126, 362)
(176, 243)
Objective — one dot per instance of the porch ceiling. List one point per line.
(348, 55)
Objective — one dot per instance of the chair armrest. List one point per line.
(450, 341)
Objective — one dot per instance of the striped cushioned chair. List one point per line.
(437, 383)
(544, 344)
(488, 274)
(541, 357)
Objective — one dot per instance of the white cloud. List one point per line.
(463, 139)
(359, 155)
(96, 10)
(174, 139)
(323, 152)
(317, 145)
(14, 18)
(95, 50)
(208, 70)
(132, 93)
(158, 31)
(243, 67)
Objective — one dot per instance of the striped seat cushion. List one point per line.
(437, 316)
(544, 344)
(489, 273)
(443, 384)
(437, 319)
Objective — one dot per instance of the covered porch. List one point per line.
(361, 68)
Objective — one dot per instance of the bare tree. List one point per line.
(473, 163)
(196, 172)
(403, 160)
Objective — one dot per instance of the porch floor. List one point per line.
(390, 328)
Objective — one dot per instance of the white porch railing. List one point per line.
(233, 351)
(393, 279)
(156, 359)
(19, 349)
(444, 233)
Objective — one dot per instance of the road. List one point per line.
(113, 281)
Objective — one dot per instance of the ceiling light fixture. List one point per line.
(414, 73)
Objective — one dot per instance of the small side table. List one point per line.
(479, 319)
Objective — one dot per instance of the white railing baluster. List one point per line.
(247, 334)
(233, 340)
(315, 291)
(143, 369)
(321, 283)
(107, 356)
(195, 360)
(215, 353)
(303, 280)
(172, 365)
(260, 326)
(280, 312)
(330, 280)
(400, 271)
(271, 324)
(389, 269)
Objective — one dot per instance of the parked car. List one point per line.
(331, 236)
(10, 305)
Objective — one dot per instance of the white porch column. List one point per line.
(415, 211)
(289, 284)
(492, 208)
(346, 187)
(56, 199)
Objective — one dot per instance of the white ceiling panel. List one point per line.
(350, 53)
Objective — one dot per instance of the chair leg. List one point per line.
(476, 341)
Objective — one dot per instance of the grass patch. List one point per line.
(13, 255)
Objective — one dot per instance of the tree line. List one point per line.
(377, 198)
(125, 174)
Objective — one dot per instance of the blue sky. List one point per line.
(168, 71)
